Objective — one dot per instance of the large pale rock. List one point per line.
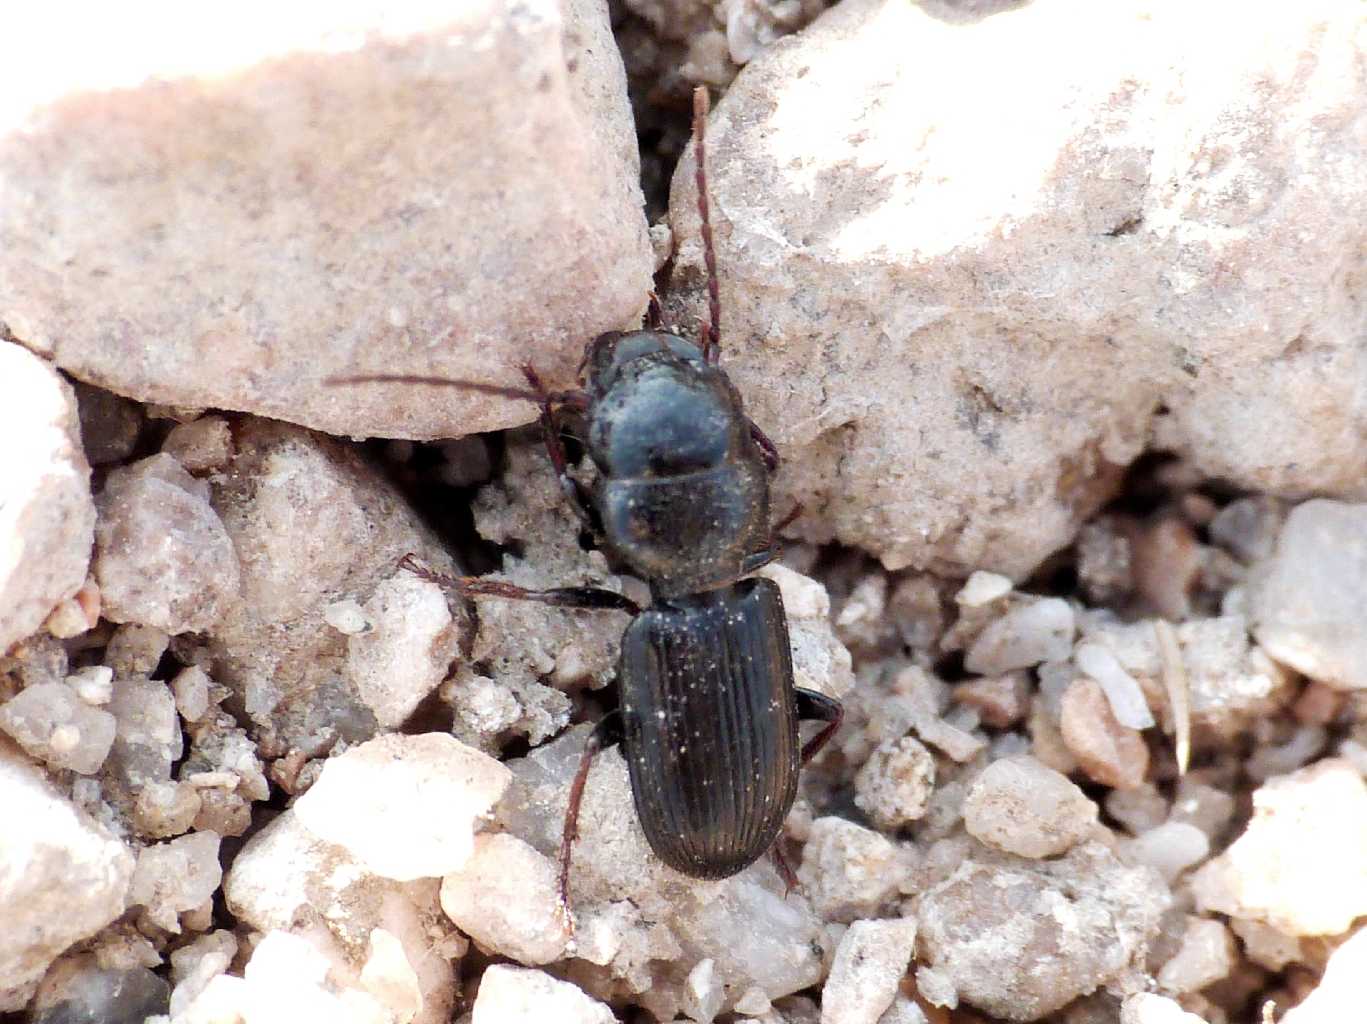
(961, 304)
(266, 200)
(1307, 601)
(1299, 865)
(406, 806)
(284, 874)
(61, 877)
(47, 518)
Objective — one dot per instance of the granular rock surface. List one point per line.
(1056, 313)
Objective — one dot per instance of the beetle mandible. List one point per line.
(709, 711)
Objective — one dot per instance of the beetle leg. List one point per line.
(607, 732)
(813, 705)
(711, 334)
(767, 449)
(595, 598)
(555, 447)
(785, 870)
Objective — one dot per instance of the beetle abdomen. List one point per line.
(710, 726)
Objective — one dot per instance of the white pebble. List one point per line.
(1121, 688)
(1023, 807)
(519, 995)
(1028, 634)
(982, 588)
(346, 617)
(869, 963)
(94, 685)
(1170, 848)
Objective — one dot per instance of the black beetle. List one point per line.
(709, 711)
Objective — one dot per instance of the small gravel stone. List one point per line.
(1148, 1008)
(506, 898)
(396, 664)
(346, 617)
(704, 994)
(1020, 806)
(895, 784)
(190, 689)
(407, 806)
(135, 649)
(164, 809)
(1107, 751)
(1139, 809)
(849, 871)
(1247, 527)
(201, 445)
(869, 963)
(94, 685)
(78, 990)
(1169, 849)
(52, 723)
(1121, 688)
(148, 738)
(163, 557)
(1266, 946)
(176, 876)
(1001, 701)
(1306, 601)
(1205, 956)
(519, 995)
(1020, 939)
(389, 976)
(196, 964)
(1298, 865)
(982, 588)
(1030, 633)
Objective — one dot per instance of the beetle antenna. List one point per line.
(711, 345)
(449, 382)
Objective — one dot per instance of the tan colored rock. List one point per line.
(959, 309)
(1107, 751)
(265, 201)
(47, 517)
(1023, 807)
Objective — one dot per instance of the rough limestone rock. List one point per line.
(265, 201)
(47, 517)
(961, 307)
(1020, 938)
